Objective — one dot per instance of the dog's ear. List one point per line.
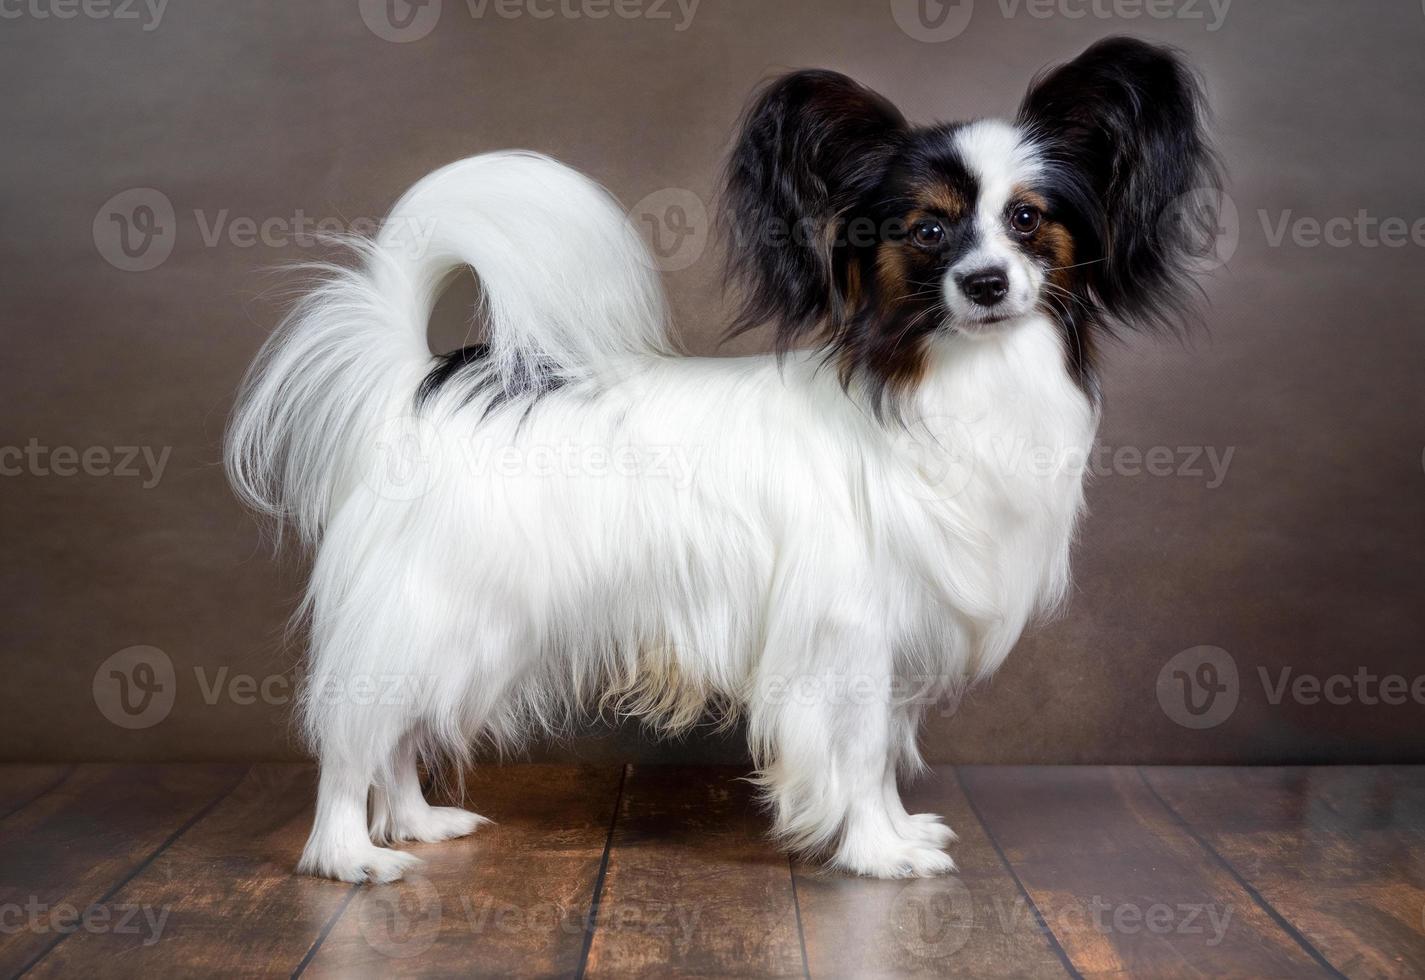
(812, 144)
(1123, 128)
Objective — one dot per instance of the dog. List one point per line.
(859, 529)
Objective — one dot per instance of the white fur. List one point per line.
(1001, 160)
(764, 545)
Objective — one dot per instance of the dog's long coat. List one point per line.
(575, 514)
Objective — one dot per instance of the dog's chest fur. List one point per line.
(1007, 490)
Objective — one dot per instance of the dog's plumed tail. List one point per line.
(569, 291)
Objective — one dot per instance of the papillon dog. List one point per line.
(820, 542)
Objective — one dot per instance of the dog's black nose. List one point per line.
(986, 287)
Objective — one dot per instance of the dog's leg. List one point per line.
(928, 827)
(871, 841)
(399, 811)
(829, 742)
(339, 846)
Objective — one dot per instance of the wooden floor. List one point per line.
(156, 871)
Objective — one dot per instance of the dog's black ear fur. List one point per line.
(812, 144)
(1123, 126)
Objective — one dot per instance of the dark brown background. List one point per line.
(1308, 556)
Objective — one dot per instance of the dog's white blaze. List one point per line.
(826, 575)
(1001, 159)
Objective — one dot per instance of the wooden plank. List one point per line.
(1124, 887)
(1336, 850)
(511, 899)
(71, 848)
(976, 923)
(21, 784)
(693, 886)
(222, 899)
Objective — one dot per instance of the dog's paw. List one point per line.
(930, 828)
(356, 864)
(897, 858)
(435, 823)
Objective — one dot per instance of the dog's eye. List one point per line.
(1024, 219)
(927, 234)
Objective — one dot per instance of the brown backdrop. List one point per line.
(245, 117)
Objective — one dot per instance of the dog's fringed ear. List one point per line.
(1123, 126)
(812, 144)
